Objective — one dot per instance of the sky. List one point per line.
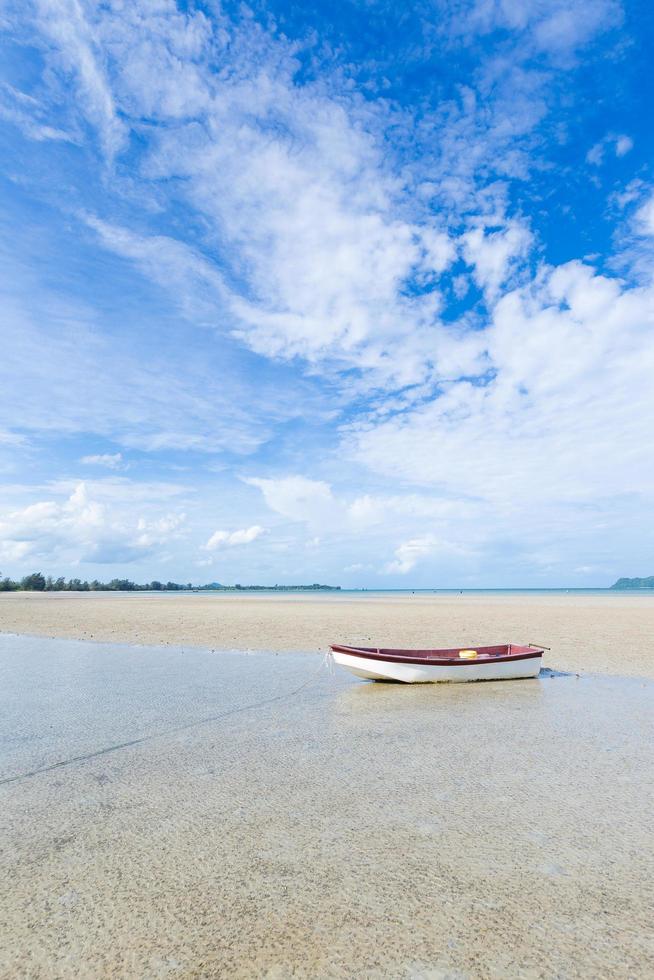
(355, 293)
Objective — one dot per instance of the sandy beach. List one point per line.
(610, 634)
(174, 806)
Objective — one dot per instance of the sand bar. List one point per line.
(199, 829)
(611, 633)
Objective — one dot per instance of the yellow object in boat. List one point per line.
(468, 654)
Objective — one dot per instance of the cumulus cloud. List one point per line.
(230, 539)
(493, 254)
(409, 553)
(558, 430)
(80, 528)
(300, 499)
(373, 522)
(314, 502)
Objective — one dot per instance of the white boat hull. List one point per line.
(414, 673)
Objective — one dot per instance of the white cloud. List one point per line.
(495, 254)
(150, 401)
(364, 524)
(74, 49)
(595, 155)
(561, 420)
(119, 490)
(369, 511)
(645, 217)
(311, 236)
(230, 539)
(306, 222)
(623, 145)
(620, 144)
(411, 552)
(195, 284)
(554, 27)
(81, 528)
(300, 499)
(313, 502)
(28, 114)
(110, 461)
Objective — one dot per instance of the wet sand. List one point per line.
(611, 633)
(231, 815)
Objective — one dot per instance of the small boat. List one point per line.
(506, 662)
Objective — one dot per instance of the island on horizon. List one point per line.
(634, 583)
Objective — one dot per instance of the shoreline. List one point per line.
(586, 633)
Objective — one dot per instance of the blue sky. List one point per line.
(356, 293)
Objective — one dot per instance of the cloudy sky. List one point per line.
(358, 293)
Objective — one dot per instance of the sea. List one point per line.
(391, 592)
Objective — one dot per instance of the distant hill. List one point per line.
(634, 583)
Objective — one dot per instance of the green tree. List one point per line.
(121, 585)
(33, 583)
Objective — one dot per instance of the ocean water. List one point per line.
(543, 591)
(381, 592)
(391, 592)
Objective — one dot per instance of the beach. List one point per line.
(607, 633)
(189, 789)
(190, 813)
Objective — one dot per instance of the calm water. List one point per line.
(609, 592)
(382, 592)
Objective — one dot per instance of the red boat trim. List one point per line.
(430, 657)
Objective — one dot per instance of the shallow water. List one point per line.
(213, 814)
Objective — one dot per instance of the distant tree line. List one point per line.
(37, 582)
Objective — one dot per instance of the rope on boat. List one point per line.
(326, 661)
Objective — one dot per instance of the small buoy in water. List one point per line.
(468, 654)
